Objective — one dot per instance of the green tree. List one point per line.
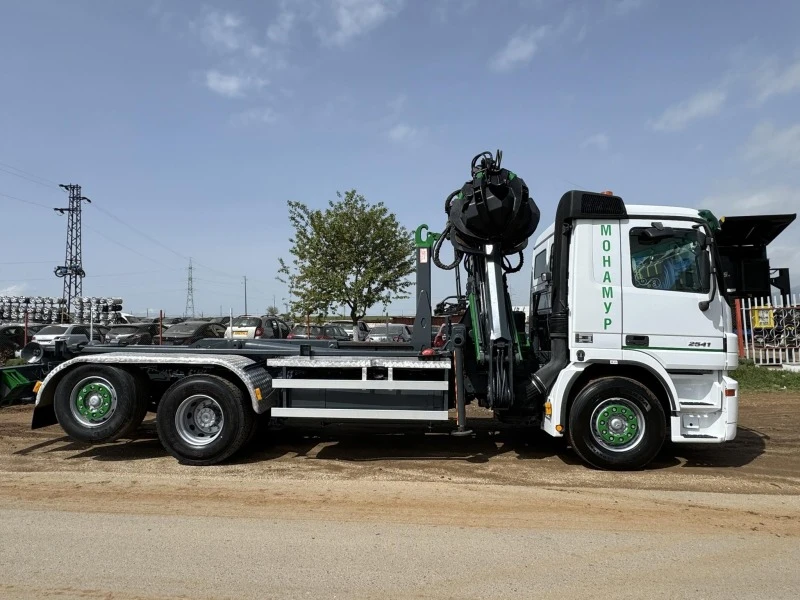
(352, 253)
(273, 311)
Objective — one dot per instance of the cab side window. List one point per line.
(676, 263)
(540, 264)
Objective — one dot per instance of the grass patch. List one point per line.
(763, 379)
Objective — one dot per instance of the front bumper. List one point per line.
(710, 423)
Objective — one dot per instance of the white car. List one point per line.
(361, 328)
(249, 328)
(71, 334)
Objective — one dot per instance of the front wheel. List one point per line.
(204, 419)
(616, 423)
(99, 403)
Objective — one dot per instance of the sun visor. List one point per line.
(757, 230)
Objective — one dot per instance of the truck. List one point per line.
(628, 341)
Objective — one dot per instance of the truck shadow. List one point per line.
(748, 445)
(360, 443)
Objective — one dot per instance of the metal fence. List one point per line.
(769, 329)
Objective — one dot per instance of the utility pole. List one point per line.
(189, 311)
(72, 269)
(245, 294)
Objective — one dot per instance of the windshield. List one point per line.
(53, 330)
(310, 330)
(182, 328)
(677, 263)
(247, 322)
(382, 329)
(125, 330)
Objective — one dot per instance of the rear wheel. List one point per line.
(99, 403)
(203, 420)
(616, 423)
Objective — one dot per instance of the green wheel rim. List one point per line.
(93, 401)
(617, 424)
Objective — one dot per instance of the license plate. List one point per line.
(240, 333)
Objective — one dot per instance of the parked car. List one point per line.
(188, 332)
(133, 334)
(168, 321)
(221, 320)
(249, 327)
(319, 332)
(73, 335)
(13, 334)
(359, 333)
(389, 333)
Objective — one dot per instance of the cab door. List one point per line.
(666, 277)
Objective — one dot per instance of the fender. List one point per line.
(251, 374)
(562, 388)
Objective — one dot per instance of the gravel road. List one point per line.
(349, 512)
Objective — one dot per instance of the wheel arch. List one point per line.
(255, 383)
(636, 371)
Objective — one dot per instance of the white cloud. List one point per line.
(701, 105)
(598, 141)
(255, 116)
(519, 49)
(278, 31)
(223, 31)
(624, 7)
(354, 18)
(16, 289)
(398, 103)
(776, 199)
(232, 86)
(769, 147)
(444, 9)
(404, 133)
(771, 81)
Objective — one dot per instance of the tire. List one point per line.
(208, 437)
(616, 423)
(99, 403)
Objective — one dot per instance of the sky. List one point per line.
(190, 125)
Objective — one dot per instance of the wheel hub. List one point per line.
(206, 418)
(93, 401)
(199, 420)
(617, 424)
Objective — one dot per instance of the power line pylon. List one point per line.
(72, 269)
(189, 312)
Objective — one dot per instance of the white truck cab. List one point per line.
(644, 299)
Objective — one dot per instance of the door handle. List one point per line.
(637, 340)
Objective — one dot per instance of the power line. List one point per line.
(155, 241)
(25, 201)
(26, 178)
(28, 173)
(121, 245)
(139, 231)
(130, 273)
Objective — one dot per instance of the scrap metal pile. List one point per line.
(54, 310)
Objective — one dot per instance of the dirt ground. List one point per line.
(503, 477)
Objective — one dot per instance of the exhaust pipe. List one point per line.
(573, 205)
